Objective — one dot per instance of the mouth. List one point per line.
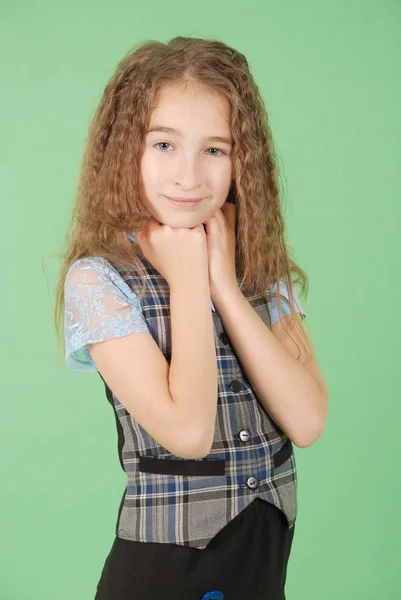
(184, 203)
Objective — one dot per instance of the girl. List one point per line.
(177, 290)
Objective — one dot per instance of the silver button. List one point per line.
(244, 435)
(252, 482)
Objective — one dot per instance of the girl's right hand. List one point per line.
(178, 254)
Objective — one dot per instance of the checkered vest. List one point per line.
(169, 499)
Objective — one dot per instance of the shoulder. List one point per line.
(91, 265)
(99, 305)
(90, 271)
(282, 309)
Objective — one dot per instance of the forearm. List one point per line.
(193, 367)
(287, 390)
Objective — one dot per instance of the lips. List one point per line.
(184, 203)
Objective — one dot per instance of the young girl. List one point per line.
(177, 289)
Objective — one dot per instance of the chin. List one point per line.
(182, 220)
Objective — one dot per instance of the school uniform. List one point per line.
(185, 528)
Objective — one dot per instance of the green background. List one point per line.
(330, 76)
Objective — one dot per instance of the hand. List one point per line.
(220, 240)
(178, 254)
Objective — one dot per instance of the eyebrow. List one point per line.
(214, 138)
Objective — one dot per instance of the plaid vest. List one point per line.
(169, 499)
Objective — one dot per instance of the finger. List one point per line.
(218, 220)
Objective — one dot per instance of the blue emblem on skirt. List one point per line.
(213, 595)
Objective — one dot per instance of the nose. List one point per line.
(188, 174)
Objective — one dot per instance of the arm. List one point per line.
(291, 393)
(106, 332)
(176, 404)
(193, 368)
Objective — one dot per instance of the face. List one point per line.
(186, 162)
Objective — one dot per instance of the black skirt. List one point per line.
(246, 560)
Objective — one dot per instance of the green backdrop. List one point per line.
(330, 75)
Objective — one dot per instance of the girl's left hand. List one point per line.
(220, 237)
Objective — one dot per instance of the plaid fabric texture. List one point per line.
(187, 502)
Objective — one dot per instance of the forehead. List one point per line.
(192, 104)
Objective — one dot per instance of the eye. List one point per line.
(168, 144)
(159, 144)
(218, 150)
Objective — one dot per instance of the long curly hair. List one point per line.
(109, 195)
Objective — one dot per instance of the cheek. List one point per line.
(150, 171)
(224, 180)
(225, 174)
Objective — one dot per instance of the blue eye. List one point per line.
(168, 144)
(218, 150)
(159, 143)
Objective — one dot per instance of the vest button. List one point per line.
(244, 435)
(252, 482)
(223, 337)
(235, 385)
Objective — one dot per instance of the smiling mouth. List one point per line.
(184, 202)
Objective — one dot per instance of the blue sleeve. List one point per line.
(99, 306)
(284, 303)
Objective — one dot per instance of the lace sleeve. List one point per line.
(284, 303)
(99, 305)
